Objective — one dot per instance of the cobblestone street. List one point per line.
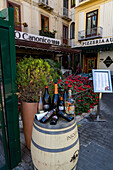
(96, 142)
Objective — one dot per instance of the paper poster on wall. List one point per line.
(102, 81)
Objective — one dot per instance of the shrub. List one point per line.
(32, 76)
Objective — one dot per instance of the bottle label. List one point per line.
(61, 107)
(70, 109)
(46, 106)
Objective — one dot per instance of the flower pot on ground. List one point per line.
(32, 76)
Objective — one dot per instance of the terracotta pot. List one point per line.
(28, 112)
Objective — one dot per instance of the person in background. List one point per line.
(79, 69)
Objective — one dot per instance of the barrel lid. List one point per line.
(60, 124)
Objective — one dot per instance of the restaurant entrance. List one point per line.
(89, 62)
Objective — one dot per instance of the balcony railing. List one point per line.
(47, 34)
(67, 15)
(46, 4)
(90, 33)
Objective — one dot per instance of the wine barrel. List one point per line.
(55, 147)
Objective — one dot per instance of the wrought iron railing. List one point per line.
(90, 33)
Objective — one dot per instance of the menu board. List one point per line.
(102, 81)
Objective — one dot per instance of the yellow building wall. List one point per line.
(105, 15)
(87, 6)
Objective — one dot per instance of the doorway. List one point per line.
(90, 62)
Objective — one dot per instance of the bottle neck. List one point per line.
(56, 89)
(40, 94)
(46, 89)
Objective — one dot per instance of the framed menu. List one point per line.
(102, 81)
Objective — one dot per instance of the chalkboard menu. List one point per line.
(102, 81)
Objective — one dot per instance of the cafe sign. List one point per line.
(97, 42)
(36, 38)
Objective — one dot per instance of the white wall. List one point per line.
(104, 55)
(106, 18)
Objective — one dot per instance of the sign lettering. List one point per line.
(97, 42)
(36, 38)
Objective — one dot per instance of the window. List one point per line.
(72, 3)
(72, 30)
(65, 34)
(17, 15)
(44, 23)
(91, 23)
(65, 3)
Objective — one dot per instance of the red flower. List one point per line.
(70, 86)
(66, 82)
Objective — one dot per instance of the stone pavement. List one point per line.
(96, 142)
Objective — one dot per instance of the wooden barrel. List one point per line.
(55, 147)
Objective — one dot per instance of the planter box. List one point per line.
(47, 34)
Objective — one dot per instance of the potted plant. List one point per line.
(32, 76)
(25, 24)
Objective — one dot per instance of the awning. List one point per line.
(103, 47)
(47, 47)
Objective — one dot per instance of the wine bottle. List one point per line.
(46, 100)
(54, 120)
(55, 99)
(70, 104)
(65, 116)
(47, 116)
(40, 104)
(61, 104)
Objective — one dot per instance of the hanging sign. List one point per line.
(102, 81)
(36, 38)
